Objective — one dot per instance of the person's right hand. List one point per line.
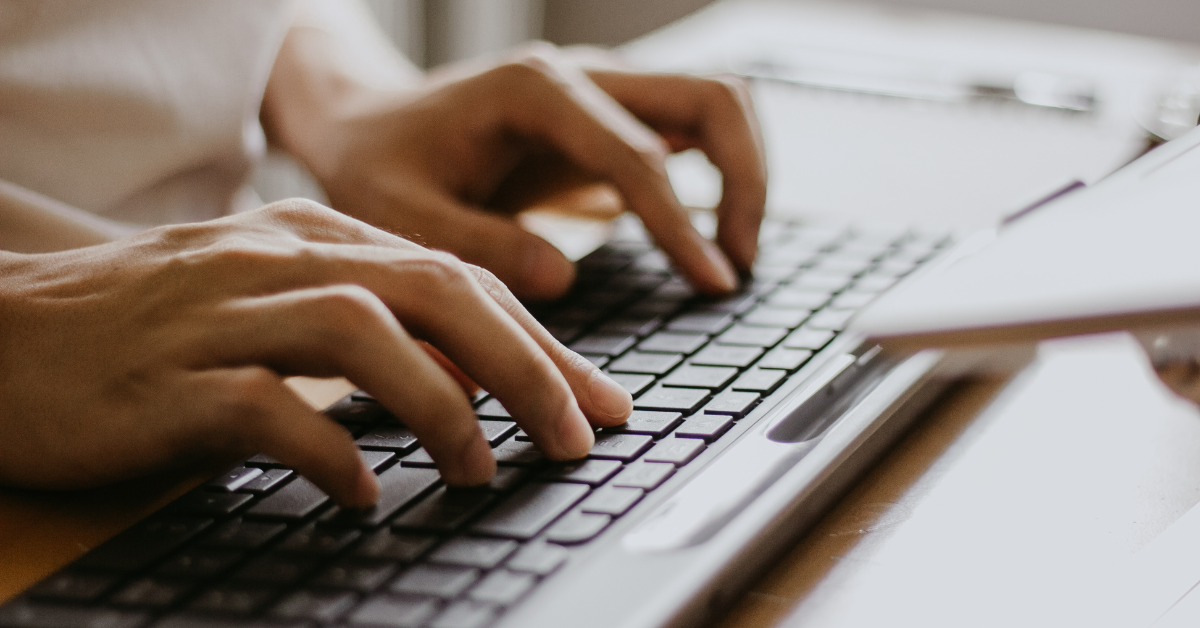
(146, 352)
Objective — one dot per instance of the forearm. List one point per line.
(33, 223)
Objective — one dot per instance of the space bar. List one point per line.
(529, 510)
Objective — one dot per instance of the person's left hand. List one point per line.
(437, 164)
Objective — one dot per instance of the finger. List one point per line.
(603, 401)
(253, 404)
(346, 330)
(717, 116)
(467, 384)
(557, 103)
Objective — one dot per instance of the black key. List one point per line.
(322, 606)
(418, 458)
(564, 332)
(643, 475)
(752, 336)
(522, 436)
(593, 472)
(808, 338)
(690, 376)
(496, 431)
(444, 581)
(776, 317)
(656, 424)
(375, 459)
(735, 404)
(360, 574)
(620, 446)
(361, 395)
(210, 503)
(685, 400)
(675, 288)
(831, 319)
(25, 614)
(784, 358)
(706, 426)
(524, 514)
(397, 611)
(153, 593)
(492, 409)
(726, 355)
(604, 344)
(234, 479)
(144, 543)
(735, 304)
(297, 500)
(612, 500)
(635, 384)
(677, 451)
(759, 380)
(239, 534)
(628, 325)
(577, 527)
(198, 563)
(358, 412)
(673, 342)
(473, 552)
(319, 540)
(465, 614)
(654, 307)
(445, 510)
(702, 322)
(73, 587)
(276, 568)
(402, 547)
(542, 559)
(398, 486)
(234, 599)
(517, 453)
(638, 362)
(267, 481)
(597, 360)
(507, 478)
(395, 438)
(502, 587)
(801, 299)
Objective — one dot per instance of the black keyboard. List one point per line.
(260, 546)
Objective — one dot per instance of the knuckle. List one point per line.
(247, 394)
(350, 308)
(299, 211)
(441, 273)
(727, 88)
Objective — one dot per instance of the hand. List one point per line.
(171, 345)
(432, 163)
(1175, 356)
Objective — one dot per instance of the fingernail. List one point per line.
(366, 493)
(545, 273)
(726, 276)
(475, 464)
(609, 397)
(575, 436)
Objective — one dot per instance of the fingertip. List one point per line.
(545, 273)
(610, 398)
(722, 278)
(366, 488)
(476, 465)
(575, 437)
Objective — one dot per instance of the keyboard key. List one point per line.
(525, 513)
(808, 338)
(234, 479)
(638, 362)
(706, 426)
(685, 400)
(398, 487)
(24, 614)
(702, 322)
(831, 319)
(612, 500)
(735, 304)
(677, 451)
(759, 380)
(631, 325)
(210, 503)
(507, 479)
(651, 306)
(443, 581)
(320, 541)
(358, 412)
(296, 500)
(375, 459)
(872, 284)
(752, 336)
(199, 563)
(726, 355)
(577, 527)
(73, 587)
(784, 358)
(152, 593)
(465, 614)
(644, 475)
(419, 458)
(735, 404)
(269, 480)
(445, 510)
(852, 300)
(232, 600)
(322, 606)
(828, 281)
(359, 574)
(542, 559)
(593, 472)
(673, 342)
(492, 409)
(144, 543)
(394, 611)
(473, 552)
(502, 587)
(776, 317)
(800, 299)
(392, 546)
(604, 344)
(618, 446)
(564, 332)
(517, 453)
(635, 384)
(395, 438)
(656, 424)
(496, 431)
(691, 376)
(243, 535)
(276, 568)
(597, 360)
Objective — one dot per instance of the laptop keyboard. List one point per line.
(260, 546)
